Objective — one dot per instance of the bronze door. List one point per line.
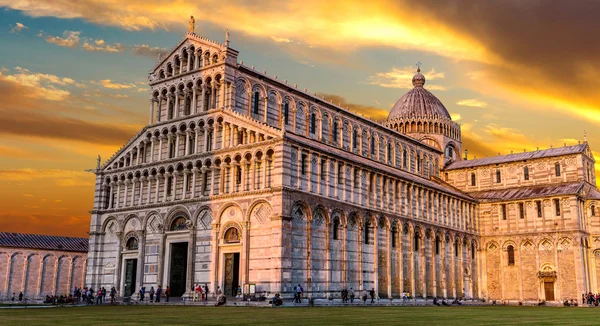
(232, 273)
(130, 273)
(549, 290)
(178, 273)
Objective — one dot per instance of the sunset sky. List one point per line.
(73, 78)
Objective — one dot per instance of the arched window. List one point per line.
(526, 173)
(354, 139)
(472, 250)
(132, 244)
(336, 228)
(372, 145)
(438, 243)
(180, 223)
(593, 210)
(416, 242)
(456, 248)
(335, 132)
(557, 169)
(498, 176)
(232, 235)
(510, 250)
(448, 152)
(473, 179)
(394, 236)
(286, 109)
(313, 123)
(255, 102)
(405, 159)
(368, 232)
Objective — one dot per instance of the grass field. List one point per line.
(173, 315)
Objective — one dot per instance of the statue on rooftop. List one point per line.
(192, 24)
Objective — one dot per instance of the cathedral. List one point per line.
(242, 179)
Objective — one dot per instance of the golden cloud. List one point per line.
(39, 86)
(18, 27)
(402, 78)
(473, 103)
(100, 46)
(70, 39)
(107, 83)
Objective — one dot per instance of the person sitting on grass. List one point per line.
(277, 300)
(444, 302)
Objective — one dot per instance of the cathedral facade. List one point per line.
(240, 179)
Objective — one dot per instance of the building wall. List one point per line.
(38, 273)
(573, 168)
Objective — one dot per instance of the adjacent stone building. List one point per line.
(240, 178)
(40, 265)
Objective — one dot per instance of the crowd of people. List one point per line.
(154, 295)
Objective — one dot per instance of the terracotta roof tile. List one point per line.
(46, 242)
(528, 192)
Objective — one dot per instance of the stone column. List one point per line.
(188, 134)
(214, 244)
(166, 176)
(149, 191)
(212, 184)
(152, 141)
(176, 113)
(196, 136)
(174, 186)
(185, 183)
(161, 258)
(214, 138)
(190, 261)
(194, 176)
(132, 201)
(141, 253)
(160, 146)
(202, 100)
(142, 179)
(434, 280)
(151, 115)
(389, 261)
(158, 176)
(110, 199)
(194, 108)
(117, 276)
(177, 134)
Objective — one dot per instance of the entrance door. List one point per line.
(130, 273)
(232, 273)
(549, 290)
(178, 271)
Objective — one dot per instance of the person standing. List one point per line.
(372, 294)
(167, 293)
(103, 295)
(113, 293)
(151, 294)
(21, 296)
(364, 296)
(158, 293)
(205, 295)
(299, 291)
(351, 295)
(99, 296)
(13, 297)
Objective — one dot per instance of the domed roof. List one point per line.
(418, 103)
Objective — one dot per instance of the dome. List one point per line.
(418, 103)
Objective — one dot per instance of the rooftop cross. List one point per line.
(418, 66)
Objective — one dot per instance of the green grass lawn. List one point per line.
(432, 316)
